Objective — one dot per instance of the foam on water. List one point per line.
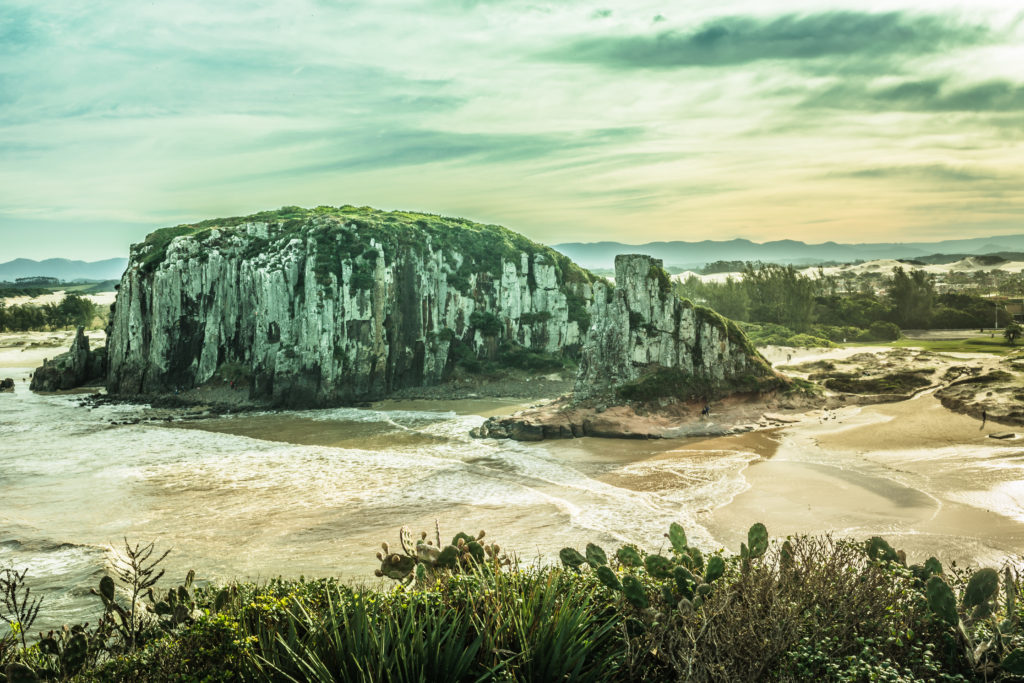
(234, 506)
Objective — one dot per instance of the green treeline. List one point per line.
(835, 308)
(72, 311)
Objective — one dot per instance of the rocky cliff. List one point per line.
(646, 343)
(649, 354)
(333, 305)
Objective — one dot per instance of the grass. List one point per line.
(976, 344)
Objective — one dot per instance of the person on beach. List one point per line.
(984, 416)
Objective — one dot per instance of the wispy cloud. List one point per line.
(737, 40)
(931, 95)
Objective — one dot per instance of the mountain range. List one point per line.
(601, 255)
(692, 255)
(63, 269)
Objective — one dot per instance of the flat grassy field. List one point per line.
(976, 344)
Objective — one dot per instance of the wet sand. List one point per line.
(927, 479)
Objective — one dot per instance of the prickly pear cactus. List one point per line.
(757, 541)
(571, 558)
(658, 566)
(606, 575)
(715, 569)
(677, 537)
(422, 559)
(879, 549)
(941, 600)
(634, 592)
(596, 556)
(628, 556)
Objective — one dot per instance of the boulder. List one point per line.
(6, 386)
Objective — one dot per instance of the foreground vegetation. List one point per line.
(802, 609)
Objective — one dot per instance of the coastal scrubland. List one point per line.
(794, 609)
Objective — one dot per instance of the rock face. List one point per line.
(78, 367)
(646, 347)
(327, 306)
(6, 385)
(647, 343)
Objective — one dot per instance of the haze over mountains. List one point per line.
(63, 269)
(601, 255)
(678, 254)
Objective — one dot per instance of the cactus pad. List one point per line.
(982, 587)
(634, 591)
(941, 600)
(715, 570)
(696, 558)
(596, 556)
(628, 556)
(786, 558)
(405, 538)
(677, 537)
(448, 557)
(464, 537)
(107, 589)
(658, 566)
(757, 540)
(685, 582)
(606, 576)
(571, 558)
(878, 549)
(476, 551)
(1013, 663)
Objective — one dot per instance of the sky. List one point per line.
(570, 120)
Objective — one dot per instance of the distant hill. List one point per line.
(692, 255)
(63, 269)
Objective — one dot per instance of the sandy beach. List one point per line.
(929, 480)
(23, 352)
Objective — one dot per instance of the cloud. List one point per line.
(738, 40)
(930, 95)
(924, 172)
(371, 149)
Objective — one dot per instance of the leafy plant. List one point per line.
(18, 609)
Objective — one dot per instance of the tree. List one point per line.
(1012, 332)
(780, 294)
(913, 297)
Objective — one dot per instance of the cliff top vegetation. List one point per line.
(483, 247)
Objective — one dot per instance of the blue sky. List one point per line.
(567, 121)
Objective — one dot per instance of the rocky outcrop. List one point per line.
(646, 343)
(78, 367)
(6, 385)
(327, 306)
(646, 347)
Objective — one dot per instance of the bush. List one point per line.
(883, 331)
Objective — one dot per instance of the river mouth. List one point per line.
(313, 493)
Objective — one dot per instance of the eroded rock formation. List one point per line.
(643, 336)
(337, 305)
(645, 346)
(78, 367)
